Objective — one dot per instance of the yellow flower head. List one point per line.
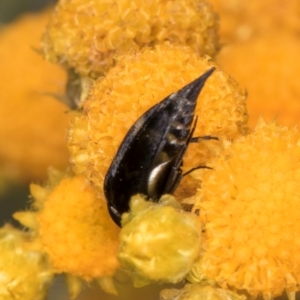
(25, 274)
(249, 206)
(72, 227)
(135, 84)
(158, 241)
(76, 231)
(32, 122)
(86, 35)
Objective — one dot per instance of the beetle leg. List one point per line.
(175, 175)
(194, 169)
(172, 184)
(195, 139)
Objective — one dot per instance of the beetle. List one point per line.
(150, 157)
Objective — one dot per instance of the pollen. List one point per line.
(249, 208)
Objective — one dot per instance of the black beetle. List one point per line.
(149, 158)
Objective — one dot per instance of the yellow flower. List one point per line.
(86, 35)
(25, 274)
(32, 123)
(271, 76)
(76, 231)
(73, 227)
(158, 241)
(136, 83)
(249, 206)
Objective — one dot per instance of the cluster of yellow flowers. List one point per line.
(239, 238)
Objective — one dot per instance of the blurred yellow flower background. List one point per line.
(260, 46)
(270, 76)
(33, 122)
(241, 20)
